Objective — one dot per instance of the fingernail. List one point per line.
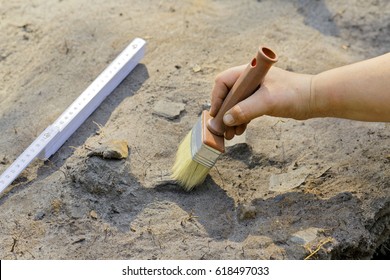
(228, 119)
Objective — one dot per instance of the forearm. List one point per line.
(359, 91)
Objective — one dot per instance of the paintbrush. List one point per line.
(202, 146)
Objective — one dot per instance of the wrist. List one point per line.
(320, 103)
(305, 103)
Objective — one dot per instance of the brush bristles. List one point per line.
(186, 171)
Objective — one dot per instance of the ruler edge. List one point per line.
(42, 153)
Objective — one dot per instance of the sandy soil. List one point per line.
(292, 188)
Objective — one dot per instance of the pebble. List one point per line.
(196, 68)
(247, 212)
(113, 149)
(39, 216)
(93, 214)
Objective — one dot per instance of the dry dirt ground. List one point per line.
(293, 189)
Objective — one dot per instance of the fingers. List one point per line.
(254, 106)
(241, 128)
(237, 118)
(231, 131)
(223, 83)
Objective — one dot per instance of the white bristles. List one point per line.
(186, 171)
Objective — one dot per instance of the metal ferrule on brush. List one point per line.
(201, 152)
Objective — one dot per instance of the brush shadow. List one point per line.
(244, 153)
(110, 188)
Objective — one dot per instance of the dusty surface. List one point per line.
(292, 188)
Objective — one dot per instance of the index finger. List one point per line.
(224, 81)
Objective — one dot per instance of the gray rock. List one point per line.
(167, 109)
(39, 216)
(305, 236)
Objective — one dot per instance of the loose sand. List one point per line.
(291, 188)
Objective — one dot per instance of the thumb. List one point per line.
(246, 110)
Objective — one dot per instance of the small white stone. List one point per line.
(305, 236)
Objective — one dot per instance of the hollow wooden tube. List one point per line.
(248, 82)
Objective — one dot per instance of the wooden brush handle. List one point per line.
(248, 82)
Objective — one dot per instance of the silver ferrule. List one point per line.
(202, 153)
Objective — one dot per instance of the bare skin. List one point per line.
(359, 91)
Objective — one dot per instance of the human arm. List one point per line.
(360, 91)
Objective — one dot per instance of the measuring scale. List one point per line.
(54, 136)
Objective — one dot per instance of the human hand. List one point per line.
(282, 94)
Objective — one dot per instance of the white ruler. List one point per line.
(53, 137)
